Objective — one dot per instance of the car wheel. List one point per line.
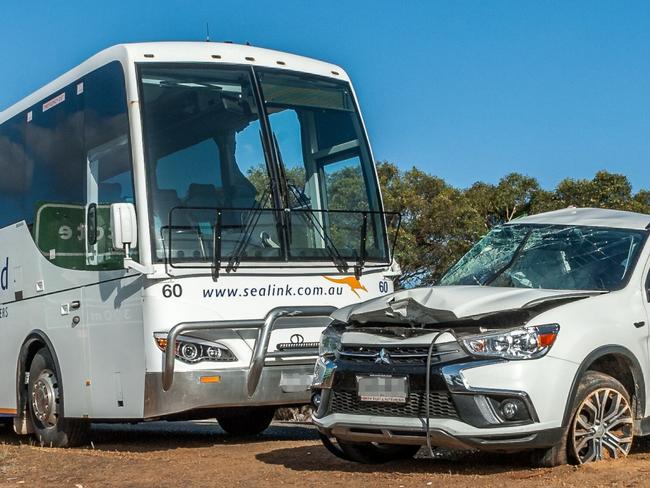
(603, 423)
(601, 426)
(45, 392)
(375, 453)
(246, 421)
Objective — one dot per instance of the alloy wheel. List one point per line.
(603, 426)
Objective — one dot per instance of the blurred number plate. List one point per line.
(387, 389)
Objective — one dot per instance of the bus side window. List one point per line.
(12, 168)
(77, 133)
(109, 177)
(54, 169)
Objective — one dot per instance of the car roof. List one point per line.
(594, 217)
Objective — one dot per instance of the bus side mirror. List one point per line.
(124, 227)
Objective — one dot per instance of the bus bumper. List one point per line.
(195, 390)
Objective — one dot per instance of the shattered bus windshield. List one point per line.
(282, 158)
(550, 257)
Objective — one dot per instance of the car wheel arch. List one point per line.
(594, 361)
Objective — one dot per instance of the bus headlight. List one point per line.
(192, 350)
(520, 343)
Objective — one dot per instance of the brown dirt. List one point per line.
(198, 454)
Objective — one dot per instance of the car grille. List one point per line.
(440, 405)
(398, 355)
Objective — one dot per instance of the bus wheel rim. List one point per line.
(45, 398)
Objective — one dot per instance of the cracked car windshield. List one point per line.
(208, 148)
(551, 257)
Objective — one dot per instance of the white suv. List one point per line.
(537, 339)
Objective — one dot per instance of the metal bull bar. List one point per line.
(265, 326)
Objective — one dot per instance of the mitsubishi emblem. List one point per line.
(382, 357)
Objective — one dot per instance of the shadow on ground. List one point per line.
(316, 458)
(280, 449)
(161, 436)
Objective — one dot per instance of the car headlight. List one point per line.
(192, 350)
(520, 343)
(330, 339)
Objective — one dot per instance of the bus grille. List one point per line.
(440, 405)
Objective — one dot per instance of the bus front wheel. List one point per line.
(246, 421)
(44, 394)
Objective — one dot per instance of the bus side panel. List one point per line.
(68, 341)
(113, 317)
(36, 295)
(55, 314)
(13, 334)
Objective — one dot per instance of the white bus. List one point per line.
(177, 222)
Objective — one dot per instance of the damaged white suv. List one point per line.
(537, 339)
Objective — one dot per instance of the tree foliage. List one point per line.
(440, 222)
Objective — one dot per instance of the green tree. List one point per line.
(438, 223)
(605, 190)
(512, 197)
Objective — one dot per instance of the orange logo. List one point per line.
(351, 281)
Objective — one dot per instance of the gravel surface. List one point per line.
(199, 454)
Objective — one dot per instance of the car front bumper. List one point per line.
(467, 395)
(445, 433)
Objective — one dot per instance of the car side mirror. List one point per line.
(124, 227)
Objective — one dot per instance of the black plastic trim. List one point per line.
(515, 442)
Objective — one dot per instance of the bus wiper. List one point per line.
(249, 227)
(216, 247)
(283, 188)
(340, 263)
(361, 260)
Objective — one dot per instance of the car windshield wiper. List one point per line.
(514, 258)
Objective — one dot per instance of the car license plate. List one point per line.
(387, 389)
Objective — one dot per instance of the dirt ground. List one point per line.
(189, 454)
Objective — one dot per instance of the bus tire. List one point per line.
(246, 421)
(44, 394)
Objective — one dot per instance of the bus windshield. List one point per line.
(560, 257)
(276, 162)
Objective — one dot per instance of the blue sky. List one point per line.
(466, 90)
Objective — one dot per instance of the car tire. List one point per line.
(246, 421)
(372, 453)
(601, 425)
(44, 400)
(552, 456)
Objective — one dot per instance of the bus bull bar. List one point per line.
(265, 327)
